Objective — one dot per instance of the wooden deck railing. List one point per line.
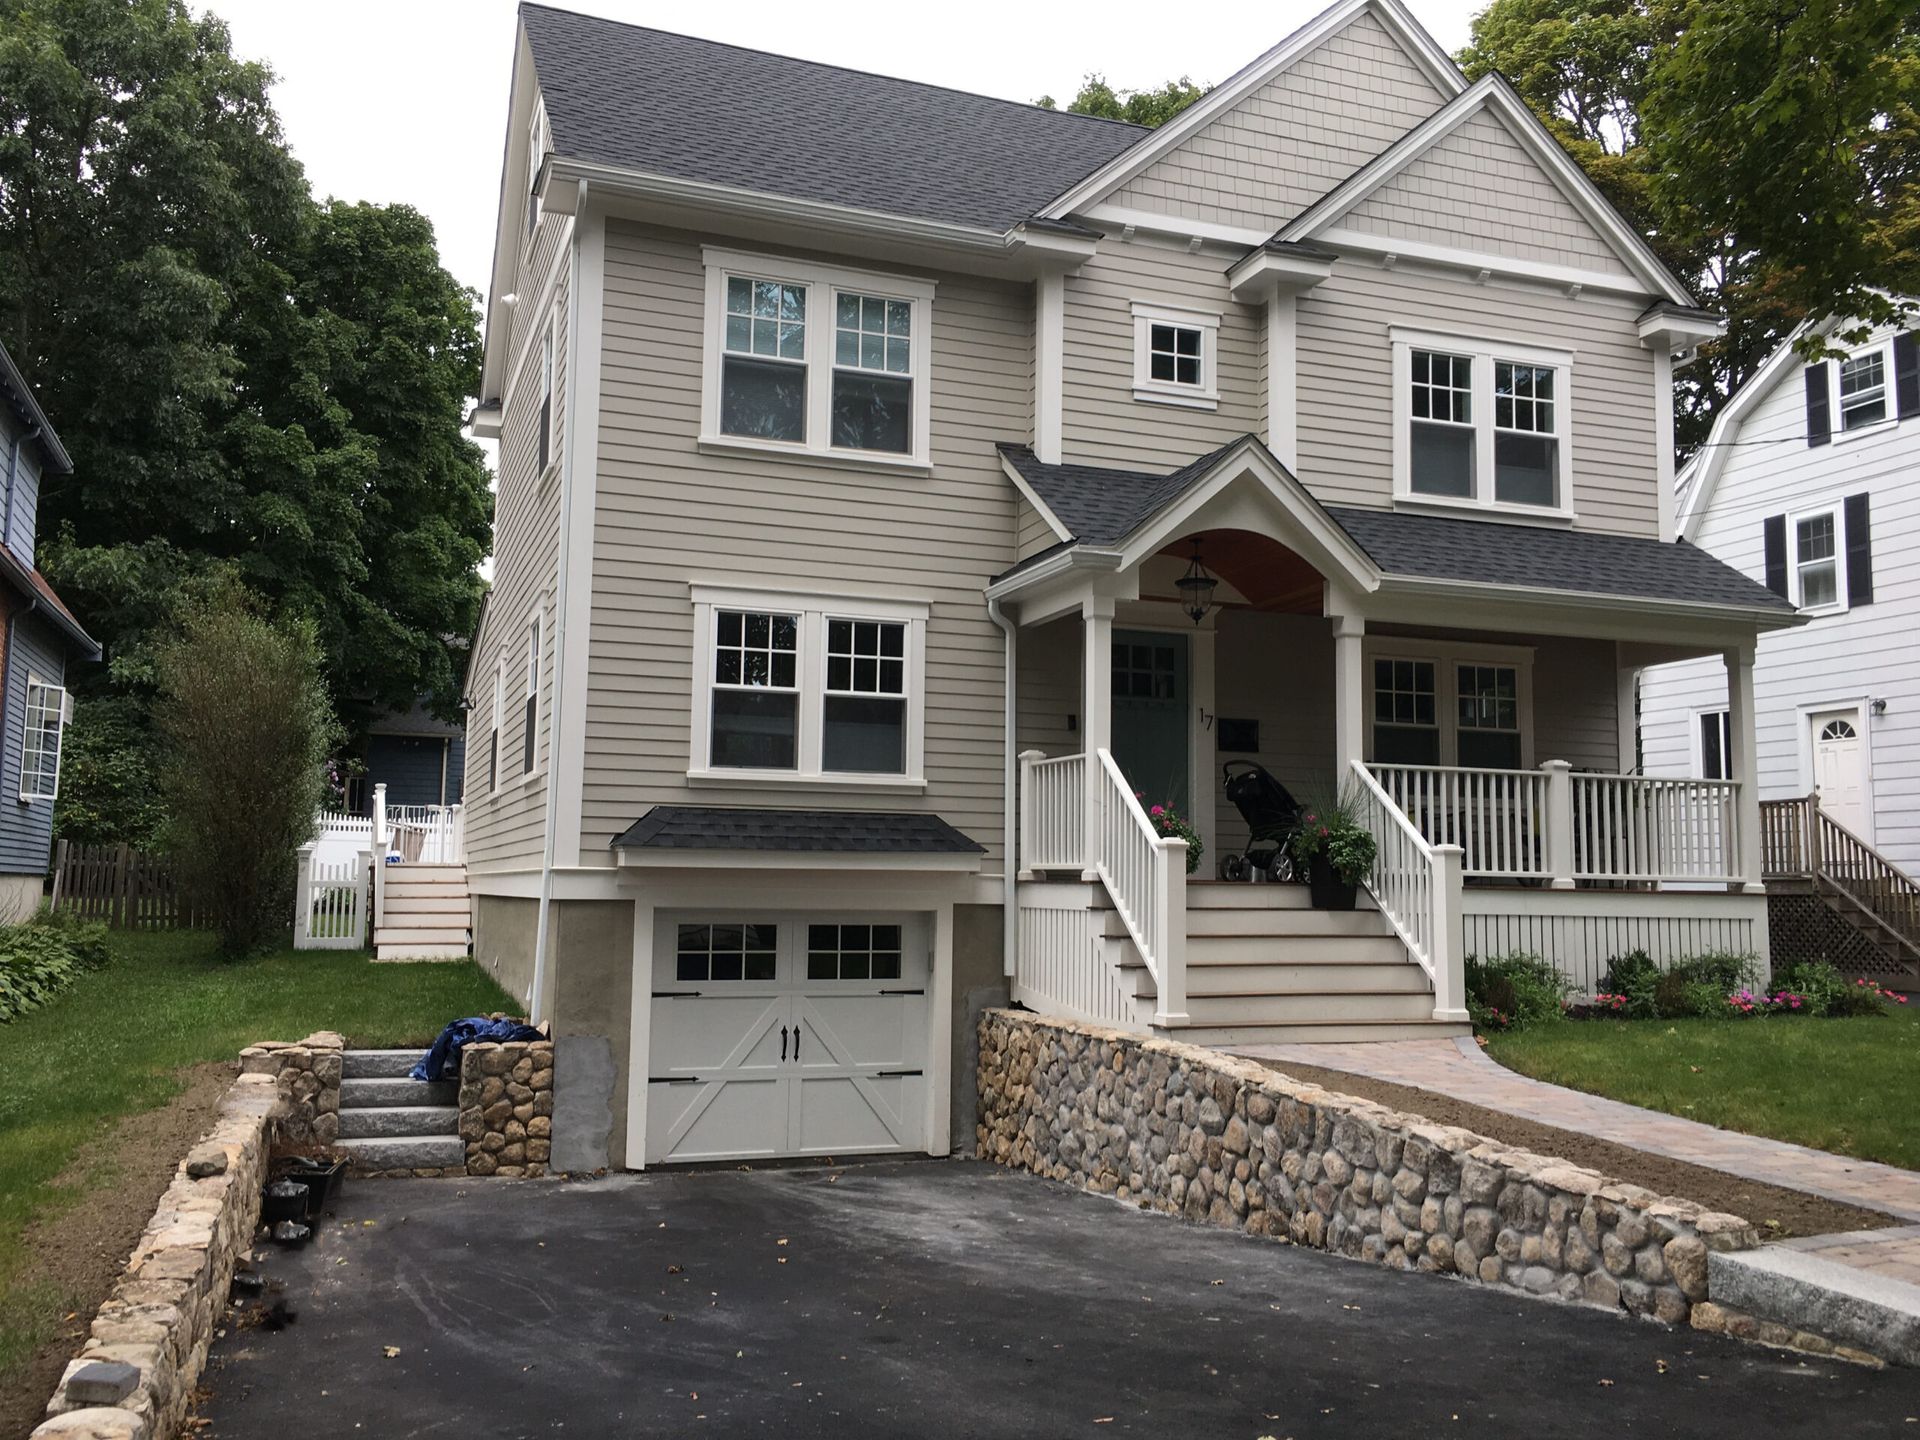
(1799, 840)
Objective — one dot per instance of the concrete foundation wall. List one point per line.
(979, 984)
(592, 1031)
(504, 929)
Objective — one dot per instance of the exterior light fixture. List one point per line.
(1196, 587)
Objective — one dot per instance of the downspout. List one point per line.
(537, 1002)
(1009, 818)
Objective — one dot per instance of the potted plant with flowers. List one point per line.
(1335, 852)
(1170, 824)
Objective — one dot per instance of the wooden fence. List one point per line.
(120, 885)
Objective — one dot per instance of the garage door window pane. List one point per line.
(853, 952)
(726, 952)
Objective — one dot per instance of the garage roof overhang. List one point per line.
(708, 837)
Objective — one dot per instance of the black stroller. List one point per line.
(1272, 815)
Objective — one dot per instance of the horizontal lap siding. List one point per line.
(1480, 190)
(1346, 381)
(1866, 652)
(1032, 533)
(1576, 704)
(668, 515)
(506, 828)
(26, 836)
(1102, 423)
(1278, 670)
(1295, 138)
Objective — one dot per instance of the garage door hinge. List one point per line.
(903, 992)
(676, 994)
(673, 1080)
(894, 1074)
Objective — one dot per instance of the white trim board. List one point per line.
(1491, 93)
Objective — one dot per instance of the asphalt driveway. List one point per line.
(942, 1299)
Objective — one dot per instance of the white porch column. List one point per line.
(380, 833)
(1742, 732)
(1559, 849)
(1096, 715)
(1349, 695)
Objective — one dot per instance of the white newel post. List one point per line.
(1742, 731)
(1349, 693)
(1170, 941)
(380, 836)
(377, 858)
(303, 899)
(1449, 935)
(1028, 820)
(1096, 717)
(1559, 823)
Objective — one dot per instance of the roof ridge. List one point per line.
(1142, 130)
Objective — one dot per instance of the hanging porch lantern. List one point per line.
(1196, 587)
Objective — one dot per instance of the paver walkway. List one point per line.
(1458, 1068)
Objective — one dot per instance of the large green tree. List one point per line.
(1151, 108)
(1766, 148)
(253, 386)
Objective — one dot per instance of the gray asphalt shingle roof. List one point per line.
(1103, 506)
(667, 104)
(725, 827)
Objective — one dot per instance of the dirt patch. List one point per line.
(1780, 1214)
(79, 1253)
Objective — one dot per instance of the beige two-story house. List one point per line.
(901, 491)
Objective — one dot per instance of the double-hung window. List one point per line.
(1863, 389)
(530, 741)
(40, 753)
(1406, 723)
(1174, 355)
(813, 359)
(1816, 564)
(1488, 702)
(807, 688)
(1442, 704)
(499, 722)
(1481, 423)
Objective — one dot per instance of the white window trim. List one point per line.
(1205, 395)
(820, 282)
(1837, 431)
(1446, 659)
(60, 745)
(535, 634)
(497, 756)
(813, 610)
(1696, 751)
(1841, 601)
(536, 152)
(1483, 350)
(549, 368)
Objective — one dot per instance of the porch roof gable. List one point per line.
(1096, 508)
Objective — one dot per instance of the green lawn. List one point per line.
(1842, 1085)
(110, 1047)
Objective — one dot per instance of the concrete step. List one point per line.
(431, 1152)
(1222, 920)
(378, 1064)
(361, 1093)
(1325, 1032)
(398, 1122)
(1398, 977)
(1794, 1285)
(1245, 1009)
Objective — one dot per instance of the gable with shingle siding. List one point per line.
(1479, 189)
(1294, 138)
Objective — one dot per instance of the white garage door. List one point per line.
(796, 1034)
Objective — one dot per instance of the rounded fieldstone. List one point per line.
(1490, 1270)
(1631, 1228)
(1686, 1259)
(1650, 1266)
(1669, 1305)
(1509, 1243)
(1615, 1255)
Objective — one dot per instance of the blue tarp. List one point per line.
(442, 1062)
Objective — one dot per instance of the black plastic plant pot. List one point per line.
(283, 1200)
(321, 1178)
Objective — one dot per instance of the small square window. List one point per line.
(1173, 353)
(853, 952)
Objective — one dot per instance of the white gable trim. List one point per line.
(1703, 471)
(1490, 93)
(1419, 45)
(1032, 497)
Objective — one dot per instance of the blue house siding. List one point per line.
(22, 506)
(26, 828)
(411, 767)
(456, 769)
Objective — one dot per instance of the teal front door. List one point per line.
(1150, 715)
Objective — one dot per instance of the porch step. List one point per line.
(1257, 1008)
(1236, 920)
(1220, 895)
(422, 1152)
(377, 1064)
(1326, 1032)
(440, 900)
(398, 1122)
(454, 888)
(360, 1093)
(1293, 978)
(421, 934)
(1270, 949)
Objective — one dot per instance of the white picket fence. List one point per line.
(330, 906)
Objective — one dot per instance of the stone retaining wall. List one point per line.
(506, 1107)
(308, 1072)
(1227, 1142)
(149, 1340)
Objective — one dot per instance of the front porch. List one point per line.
(1485, 737)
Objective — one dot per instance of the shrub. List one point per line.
(1507, 991)
(1824, 988)
(1865, 997)
(246, 730)
(1722, 969)
(41, 958)
(1634, 976)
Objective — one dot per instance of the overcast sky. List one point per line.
(405, 100)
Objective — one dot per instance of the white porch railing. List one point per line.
(1053, 812)
(1551, 824)
(1146, 874)
(1417, 887)
(418, 834)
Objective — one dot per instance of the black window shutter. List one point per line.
(1906, 373)
(1819, 406)
(526, 759)
(1774, 532)
(1859, 551)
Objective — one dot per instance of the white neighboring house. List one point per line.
(1810, 481)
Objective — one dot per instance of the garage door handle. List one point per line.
(673, 1080)
(676, 994)
(903, 992)
(796, 1043)
(783, 1043)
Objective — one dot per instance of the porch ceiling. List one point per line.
(1266, 574)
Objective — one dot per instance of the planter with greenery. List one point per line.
(1334, 850)
(1172, 825)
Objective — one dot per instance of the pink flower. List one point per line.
(1158, 810)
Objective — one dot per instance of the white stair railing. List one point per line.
(1146, 874)
(1417, 887)
(1053, 812)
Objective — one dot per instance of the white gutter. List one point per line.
(1009, 818)
(537, 1001)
